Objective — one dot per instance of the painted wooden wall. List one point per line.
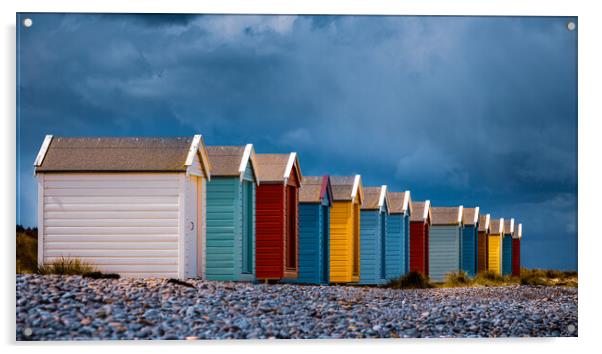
(372, 271)
(444, 251)
(482, 251)
(270, 231)
(516, 257)
(344, 242)
(418, 247)
(495, 254)
(313, 243)
(224, 240)
(507, 254)
(469, 249)
(394, 250)
(134, 224)
(405, 247)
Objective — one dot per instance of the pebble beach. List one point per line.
(75, 308)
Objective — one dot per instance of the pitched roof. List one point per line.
(484, 221)
(314, 189)
(346, 188)
(470, 216)
(421, 211)
(495, 226)
(519, 231)
(374, 197)
(277, 167)
(116, 154)
(447, 215)
(509, 226)
(231, 160)
(399, 202)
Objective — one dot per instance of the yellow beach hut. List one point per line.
(345, 228)
(496, 230)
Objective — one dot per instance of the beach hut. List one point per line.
(445, 242)
(507, 247)
(373, 231)
(315, 200)
(470, 230)
(420, 223)
(348, 196)
(482, 254)
(126, 205)
(495, 246)
(277, 213)
(518, 235)
(230, 237)
(397, 239)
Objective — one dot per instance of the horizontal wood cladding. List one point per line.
(418, 247)
(516, 257)
(126, 223)
(469, 250)
(444, 251)
(344, 245)
(482, 252)
(507, 255)
(270, 231)
(495, 254)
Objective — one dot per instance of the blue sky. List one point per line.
(460, 110)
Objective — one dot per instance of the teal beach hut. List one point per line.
(315, 200)
(397, 238)
(470, 234)
(507, 246)
(373, 229)
(445, 242)
(230, 213)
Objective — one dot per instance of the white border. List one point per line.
(43, 150)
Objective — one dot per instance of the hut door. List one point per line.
(291, 232)
(247, 227)
(356, 240)
(326, 240)
(382, 244)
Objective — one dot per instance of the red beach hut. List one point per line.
(516, 250)
(420, 222)
(277, 216)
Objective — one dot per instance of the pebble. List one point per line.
(72, 308)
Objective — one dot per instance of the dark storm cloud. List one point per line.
(459, 110)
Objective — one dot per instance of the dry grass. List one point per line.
(412, 280)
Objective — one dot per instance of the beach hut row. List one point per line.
(176, 208)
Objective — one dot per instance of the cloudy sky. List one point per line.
(460, 110)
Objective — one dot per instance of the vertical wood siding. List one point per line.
(482, 252)
(516, 257)
(495, 254)
(270, 231)
(128, 223)
(469, 250)
(507, 255)
(444, 251)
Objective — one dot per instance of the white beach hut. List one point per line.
(133, 206)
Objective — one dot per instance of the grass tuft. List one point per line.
(457, 279)
(66, 266)
(412, 280)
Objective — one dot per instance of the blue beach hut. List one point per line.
(373, 228)
(397, 238)
(445, 242)
(230, 214)
(507, 247)
(470, 234)
(315, 200)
